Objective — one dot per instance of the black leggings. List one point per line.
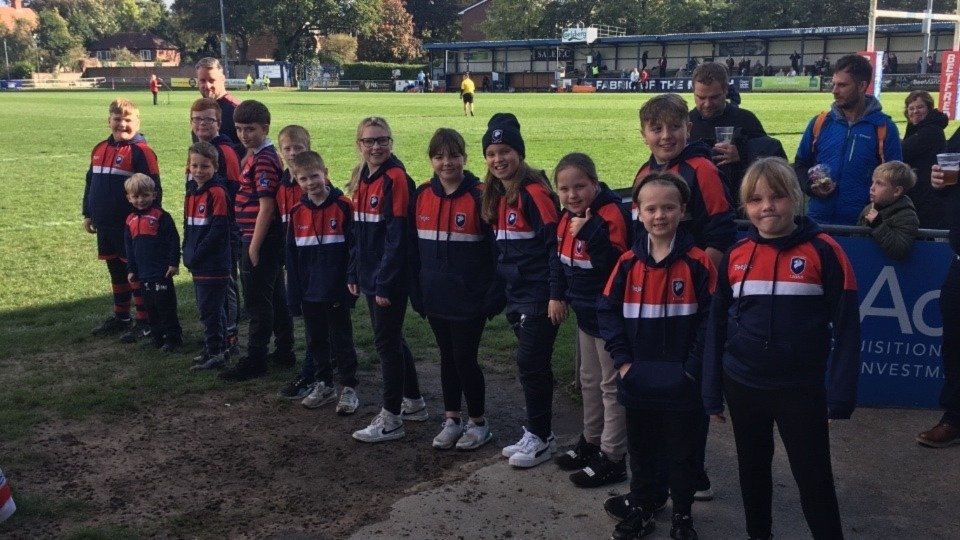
(801, 418)
(460, 373)
(950, 311)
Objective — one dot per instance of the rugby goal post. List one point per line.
(950, 60)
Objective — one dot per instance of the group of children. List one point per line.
(674, 315)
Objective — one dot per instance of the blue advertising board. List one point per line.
(900, 325)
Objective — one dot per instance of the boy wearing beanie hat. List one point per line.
(523, 210)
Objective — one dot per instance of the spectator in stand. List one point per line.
(795, 59)
(643, 60)
(635, 80)
(892, 63)
(662, 65)
(923, 140)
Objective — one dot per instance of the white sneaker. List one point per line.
(349, 402)
(414, 410)
(474, 436)
(320, 394)
(531, 451)
(509, 451)
(386, 426)
(449, 435)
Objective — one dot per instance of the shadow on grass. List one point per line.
(51, 367)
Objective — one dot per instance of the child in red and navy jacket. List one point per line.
(205, 122)
(522, 208)
(262, 241)
(206, 250)
(457, 253)
(382, 195)
(105, 210)
(786, 308)
(665, 125)
(653, 317)
(153, 258)
(593, 232)
(319, 238)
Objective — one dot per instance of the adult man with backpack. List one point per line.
(851, 140)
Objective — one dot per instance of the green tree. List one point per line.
(338, 49)
(392, 40)
(436, 20)
(57, 43)
(516, 19)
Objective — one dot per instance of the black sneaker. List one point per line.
(297, 388)
(600, 471)
(704, 492)
(140, 329)
(247, 368)
(111, 326)
(619, 507)
(682, 528)
(171, 344)
(282, 359)
(208, 361)
(578, 456)
(637, 525)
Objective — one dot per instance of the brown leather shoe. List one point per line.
(939, 436)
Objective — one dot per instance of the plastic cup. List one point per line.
(950, 165)
(724, 134)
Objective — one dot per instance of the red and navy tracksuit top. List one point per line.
(259, 178)
(588, 258)
(289, 193)
(319, 240)
(152, 244)
(653, 315)
(710, 216)
(111, 163)
(527, 243)
(457, 253)
(781, 305)
(382, 205)
(206, 232)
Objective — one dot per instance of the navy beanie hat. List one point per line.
(504, 128)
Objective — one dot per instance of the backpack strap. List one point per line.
(818, 127)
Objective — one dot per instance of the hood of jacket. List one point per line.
(691, 150)
(335, 193)
(682, 243)
(806, 230)
(469, 182)
(935, 119)
(873, 113)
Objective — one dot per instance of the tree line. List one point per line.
(338, 31)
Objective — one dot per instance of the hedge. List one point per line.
(379, 71)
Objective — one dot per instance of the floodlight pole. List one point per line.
(223, 42)
(6, 57)
(927, 17)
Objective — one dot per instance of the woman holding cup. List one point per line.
(923, 140)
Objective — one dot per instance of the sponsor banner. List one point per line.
(912, 81)
(579, 35)
(786, 84)
(183, 82)
(949, 72)
(682, 84)
(901, 329)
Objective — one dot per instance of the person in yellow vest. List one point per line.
(265, 81)
(249, 82)
(467, 89)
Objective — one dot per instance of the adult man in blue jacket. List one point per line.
(853, 138)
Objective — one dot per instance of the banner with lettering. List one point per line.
(949, 65)
(901, 329)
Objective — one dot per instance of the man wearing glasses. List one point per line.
(211, 81)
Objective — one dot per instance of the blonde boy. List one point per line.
(152, 246)
(891, 216)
